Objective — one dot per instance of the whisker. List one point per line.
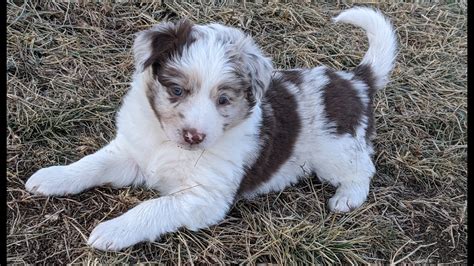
(199, 157)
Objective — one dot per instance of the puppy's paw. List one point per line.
(346, 199)
(55, 180)
(115, 234)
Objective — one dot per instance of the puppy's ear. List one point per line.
(155, 46)
(258, 67)
(251, 65)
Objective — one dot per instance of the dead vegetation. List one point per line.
(70, 64)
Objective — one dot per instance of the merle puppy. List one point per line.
(207, 120)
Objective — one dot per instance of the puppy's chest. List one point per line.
(170, 170)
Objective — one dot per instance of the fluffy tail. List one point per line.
(382, 40)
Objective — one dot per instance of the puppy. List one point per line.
(208, 120)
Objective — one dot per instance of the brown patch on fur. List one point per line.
(239, 106)
(364, 73)
(233, 89)
(181, 115)
(173, 99)
(165, 44)
(169, 42)
(245, 85)
(250, 98)
(342, 104)
(224, 126)
(279, 130)
(150, 94)
(294, 76)
(168, 76)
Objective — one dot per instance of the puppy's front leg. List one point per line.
(193, 209)
(111, 164)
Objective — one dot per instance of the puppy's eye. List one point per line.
(223, 100)
(177, 91)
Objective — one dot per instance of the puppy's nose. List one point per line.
(191, 136)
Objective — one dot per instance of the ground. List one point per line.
(69, 65)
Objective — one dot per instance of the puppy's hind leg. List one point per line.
(110, 165)
(349, 167)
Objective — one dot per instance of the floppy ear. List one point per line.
(258, 67)
(249, 61)
(155, 46)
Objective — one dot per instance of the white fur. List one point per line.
(382, 40)
(198, 186)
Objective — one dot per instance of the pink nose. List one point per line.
(191, 136)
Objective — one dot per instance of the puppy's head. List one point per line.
(201, 80)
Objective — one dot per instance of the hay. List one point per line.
(69, 65)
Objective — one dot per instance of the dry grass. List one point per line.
(69, 66)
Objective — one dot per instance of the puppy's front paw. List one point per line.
(115, 234)
(346, 199)
(54, 180)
